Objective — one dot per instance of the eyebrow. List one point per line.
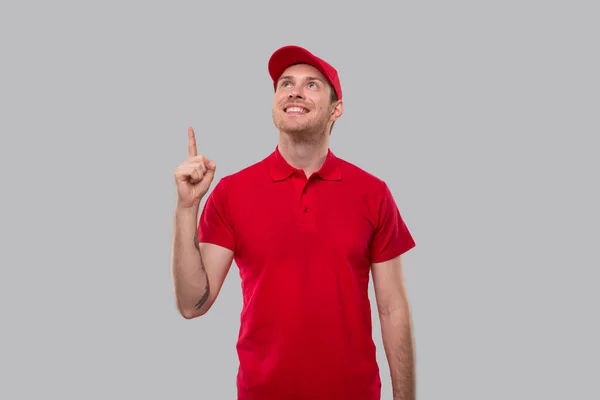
(309, 78)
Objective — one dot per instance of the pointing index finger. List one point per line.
(192, 152)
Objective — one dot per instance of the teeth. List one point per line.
(295, 109)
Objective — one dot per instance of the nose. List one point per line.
(294, 94)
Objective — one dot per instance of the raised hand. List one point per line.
(194, 176)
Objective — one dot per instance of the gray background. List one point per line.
(481, 116)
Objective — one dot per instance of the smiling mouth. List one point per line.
(295, 110)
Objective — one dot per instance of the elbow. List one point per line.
(193, 312)
(398, 309)
(189, 310)
(188, 314)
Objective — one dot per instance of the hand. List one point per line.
(194, 176)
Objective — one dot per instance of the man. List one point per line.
(305, 229)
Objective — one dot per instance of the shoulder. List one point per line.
(356, 175)
(241, 178)
(372, 190)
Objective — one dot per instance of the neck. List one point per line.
(302, 154)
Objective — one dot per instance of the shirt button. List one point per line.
(305, 209)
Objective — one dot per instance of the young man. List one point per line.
(305, 229)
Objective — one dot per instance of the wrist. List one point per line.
(186, 211)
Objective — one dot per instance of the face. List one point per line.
(302, 103)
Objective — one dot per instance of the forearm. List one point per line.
(189, 275)
(397, 335)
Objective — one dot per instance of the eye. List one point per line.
(285, 84)
(313, 85)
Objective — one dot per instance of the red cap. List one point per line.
(285, 56)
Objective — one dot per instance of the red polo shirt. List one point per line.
(304, 249)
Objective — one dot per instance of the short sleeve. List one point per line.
(214, 225)
(391, 237)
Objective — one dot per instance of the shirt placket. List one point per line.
(307, 205)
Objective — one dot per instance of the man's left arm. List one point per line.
(396, 326)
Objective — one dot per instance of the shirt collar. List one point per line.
(280, 169)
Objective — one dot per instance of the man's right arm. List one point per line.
(199, 270)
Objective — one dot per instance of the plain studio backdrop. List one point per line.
(483, 118)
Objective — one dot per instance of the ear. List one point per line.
(338, 110)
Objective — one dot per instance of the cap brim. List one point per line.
(289, 55)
